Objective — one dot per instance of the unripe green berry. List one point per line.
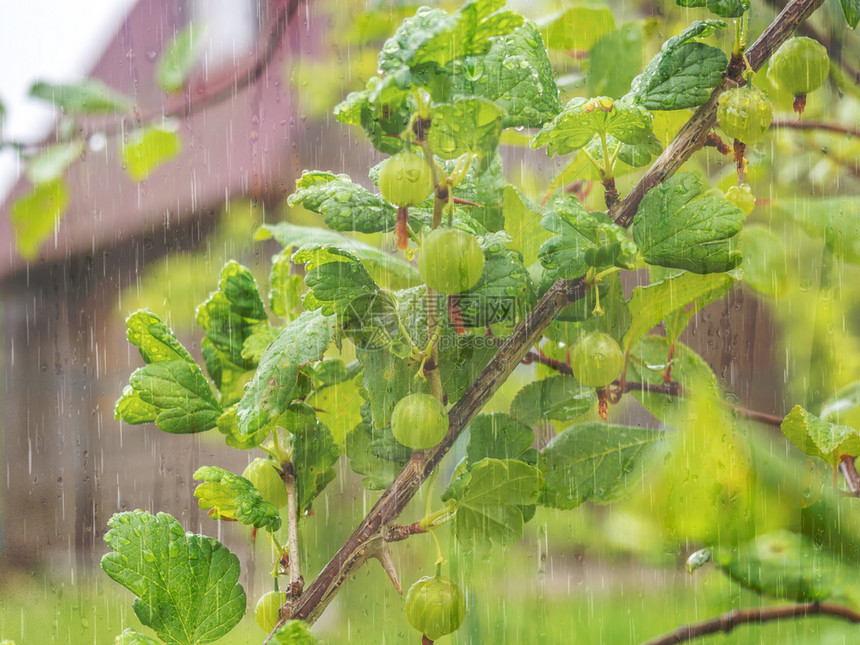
(267, 480)
(450, 261)
(419, 421)
(596, 359)
(267, 608)
(799, 66)
(742, 197)
(745, 114)
(435, 606)
(406, 179)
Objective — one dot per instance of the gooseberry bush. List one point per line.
(428, 327)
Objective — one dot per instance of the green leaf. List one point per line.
(91, 96)
(171, 390)
(594, 462)
(681, 225)
(462, 358)
(683, 74)
(578, 28)
(293, 632)
(650, 358)
(558, 398)
(232, 497)
(314, 456)
(285, 287)
(515, 74)
(497, 436)
(387, 379)
(173, 394)
(148, 149)
(36, 214)
(489, 510)
(504, 293)
(582, 119)
(129, 637)
(435, 36)
(614, 61)
(381, 265)
(851, 9)
(275, 382)
(335, 276)
(728, 8)
(178, 59)
(784, 565)
(52, 162)
(378, 472)
(255, 345)
(484, 184)
(634, 155)
(382, 109)
(579, 234)
(652, 304)
(186, 585)
(337, 404)
(154, 340)
(819, 438)
(230, 317)
(465, 126)
(344, 205)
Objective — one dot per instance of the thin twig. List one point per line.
(728, 621)
(671, 389)
(539, 357)
(755, 415)
(796, 124)
(296, 580)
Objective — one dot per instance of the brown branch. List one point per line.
(671, 389)
(539, 357)
(795, 124)
(694, 133)
(728, 621)
(849, 471)
(365, 540)
(755, 415)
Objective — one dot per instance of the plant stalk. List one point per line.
(728, 621)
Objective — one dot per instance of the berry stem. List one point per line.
(740, 147)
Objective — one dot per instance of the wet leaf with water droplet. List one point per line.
(186, 600)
